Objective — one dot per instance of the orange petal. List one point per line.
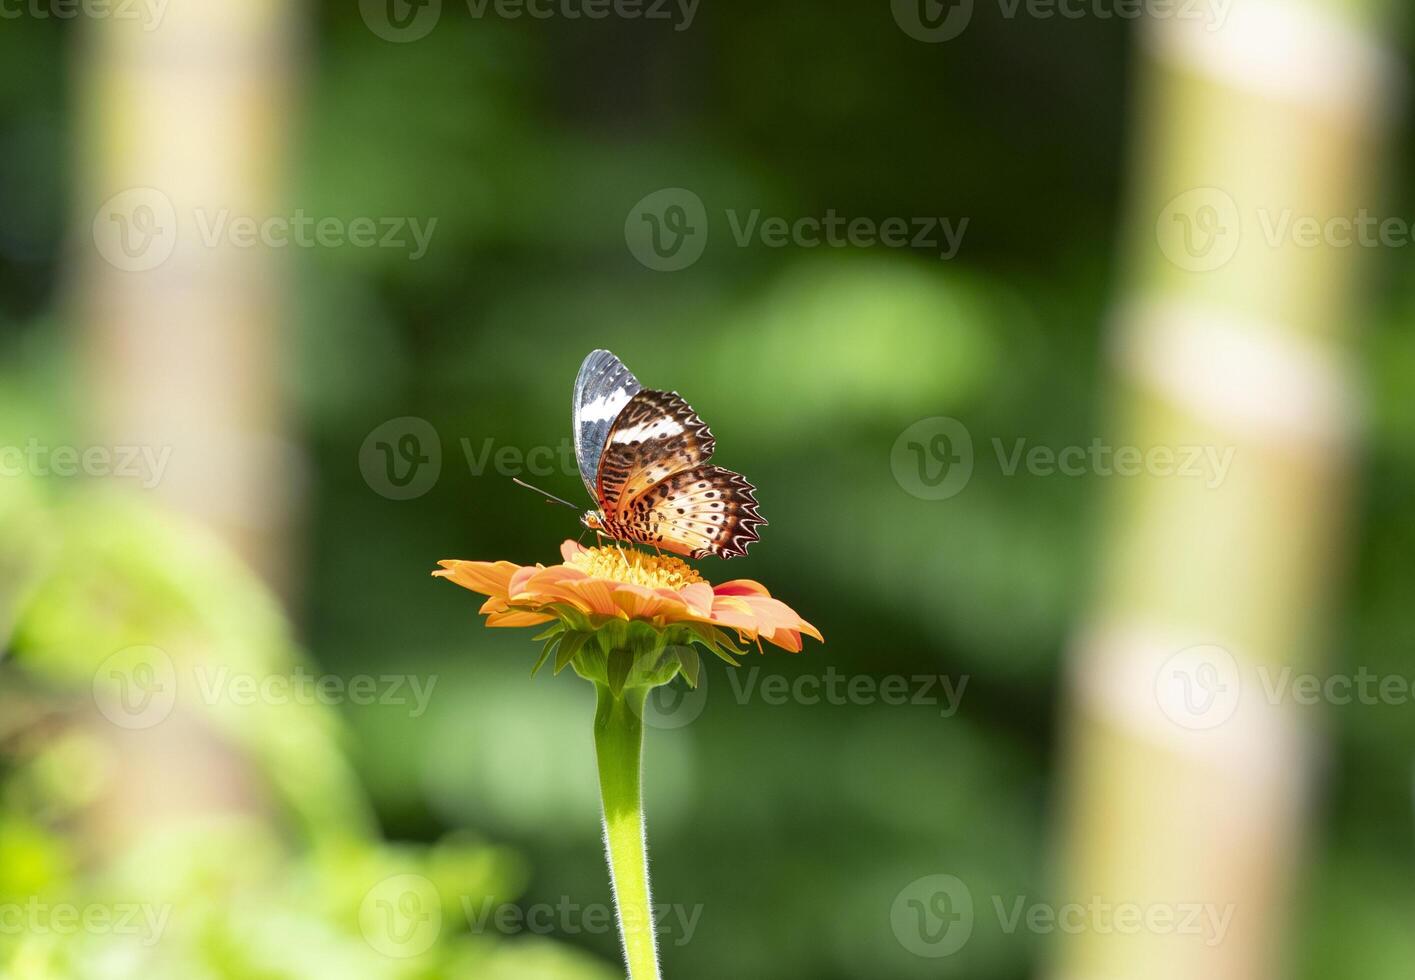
(775, 618)
(741, 586)
(486, 577)
(596, 595)
(734, 613)
(697, 597)
(518, 617)
(788, 640)
(569, 549)
(517, 585)
(637, 602)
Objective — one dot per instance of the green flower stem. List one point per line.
(619, 743)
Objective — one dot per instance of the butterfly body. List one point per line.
(644, 456)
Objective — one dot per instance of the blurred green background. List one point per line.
(790, 827)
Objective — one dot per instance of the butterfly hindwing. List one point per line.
(696, 512)
(602, 389)
(655, 435)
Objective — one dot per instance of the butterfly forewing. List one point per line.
(656, 434)
(602, 389)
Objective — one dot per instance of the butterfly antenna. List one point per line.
(550, 497)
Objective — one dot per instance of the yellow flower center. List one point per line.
(636, 567)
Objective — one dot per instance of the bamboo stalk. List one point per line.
(184, 124)
(183, 121)
(1187, 777)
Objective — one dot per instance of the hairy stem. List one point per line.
(619, 742)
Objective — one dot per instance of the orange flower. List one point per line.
(597, 587)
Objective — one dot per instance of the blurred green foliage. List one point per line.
(792, 826)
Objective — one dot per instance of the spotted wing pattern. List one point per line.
(656, 434)
(602, 389)
(705, 510)
(655, 485)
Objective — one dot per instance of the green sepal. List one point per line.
(569, 647)
(612, 635)
(572, 617)
(689, 664)
(716, 641)
(545, 653)
(549, 631)
(645, 641)
(621, 663)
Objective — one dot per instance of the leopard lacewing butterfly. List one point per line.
(643, 455)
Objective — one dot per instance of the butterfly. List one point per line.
(643, 455)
